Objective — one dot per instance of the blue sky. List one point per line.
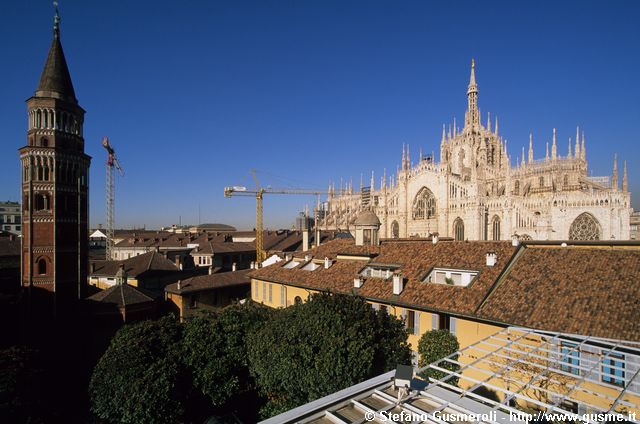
(195, 94)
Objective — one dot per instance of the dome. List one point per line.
(367, 218)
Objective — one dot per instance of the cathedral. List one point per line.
(474, 193)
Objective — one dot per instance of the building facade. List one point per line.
(55, 184)
(10, 217)
(474, 193)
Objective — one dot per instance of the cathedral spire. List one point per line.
(569, 156)
(530, 160)
(576, 149)
(444, 134)
(546, 157)
(404, 158)
(496, 125)
(455, 127)
(625, 180)
(489, 121)
(473, 117)
(583, 151)
(614, 177)
(408, 157)
(523, 157)
(554, 149)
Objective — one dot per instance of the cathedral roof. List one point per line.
(55, 80)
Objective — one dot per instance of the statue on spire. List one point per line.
(56, 19)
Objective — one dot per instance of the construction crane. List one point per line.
(112, 162)
(258, 193)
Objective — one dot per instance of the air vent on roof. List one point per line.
(327, 263)
(358, 282)
(492, 258)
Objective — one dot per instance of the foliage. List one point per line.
(313, 349)
(435, 345)
(139, 377)
(214, 349)
(20, 379)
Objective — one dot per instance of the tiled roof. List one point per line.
(592, 291)
(211, 281)
(415, 260)
(147, 262)
(212, 248)
(122, 295)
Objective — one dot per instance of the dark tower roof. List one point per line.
(55, 80)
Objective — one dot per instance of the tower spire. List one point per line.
(530, 160)
(569, 151)
(554, 148)
(576, 149)
(56, 20)
(583, 151)
(489, 121)
(547, 152)
(496, 125)
(625, 180)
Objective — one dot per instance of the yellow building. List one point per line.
(477, 289)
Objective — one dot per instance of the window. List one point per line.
(257, 289)
(570, 358)
(516, 188)
(264, 291)
(383, 308)
(193, 301)
(541, 181)
(298, 300)
(283, 295)
(395, 229)
(495, 226)
(270, 293)
(44, 142)
(444, 323)
(613, 369)
(366, 237)
(458, 229)
(424, 204)
(411, 321)
(42, 266)
(585, 227)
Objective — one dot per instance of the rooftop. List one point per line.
(210, 281)
(147, 262)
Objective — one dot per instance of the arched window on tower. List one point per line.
(42, 266)
(585, 227)
(495, 227)
(458, 229)
(424, 204)
(44, 142)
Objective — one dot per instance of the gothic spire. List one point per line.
(554, 149)
(614, 177)
(530, 148)
(55, 80)
(473, 117)
(547, 152)
(496, 125)
(489, 121)
(576, 149)
(625, 181)
(523, 157)
(583, 151)
(373, 182)
(444, 134)
(569, 156)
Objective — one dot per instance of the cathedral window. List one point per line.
(516, 188)
(424, 204)
(495, 227)
(566, 180)
(42, 266)
(585, 227)
(395, 229)
(541, 181)
(458, 229)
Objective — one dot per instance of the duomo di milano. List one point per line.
(473, 192)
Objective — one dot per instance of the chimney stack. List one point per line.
(492, 258)
(178, 262)
(398, 284)
(435, 237)
(210, 269)
(514, 240)
(233, 267)
(179, 284)
(307, 258)
(305, 240)
(358, 282)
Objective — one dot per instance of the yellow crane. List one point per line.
(258, 193)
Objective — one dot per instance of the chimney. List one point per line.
(397, 284)
(233, 267)
(179, 284)
(492, 258)
(178, 262)
(435, 237)
(305, 240)
(318, 237)
(287, 257)
(358, 282)
(307, 258)
(210, 269)
(327, 263)
(514, 240)
(253, 265)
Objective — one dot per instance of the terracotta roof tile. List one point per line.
(211, 281)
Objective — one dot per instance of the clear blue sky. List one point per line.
(195, 94)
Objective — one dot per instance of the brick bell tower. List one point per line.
(55, 182)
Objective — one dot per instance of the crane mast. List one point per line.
(112, 162)
(259, 193)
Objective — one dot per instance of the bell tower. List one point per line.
(55, 182)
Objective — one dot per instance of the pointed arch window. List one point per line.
(495, 228)
(424, 204)
(395, 229)
(458, 229)
(585, 227)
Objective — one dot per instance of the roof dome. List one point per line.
(367, 218)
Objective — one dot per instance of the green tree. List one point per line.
(214, 349)
(313, 349)
(435, 345)
(140, 377)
